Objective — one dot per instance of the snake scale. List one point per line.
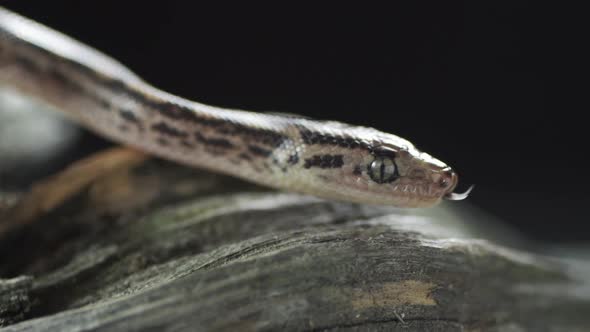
(323, 158)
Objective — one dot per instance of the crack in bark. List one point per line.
(294, 239)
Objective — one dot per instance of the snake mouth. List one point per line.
(421, 195)
(419, 192)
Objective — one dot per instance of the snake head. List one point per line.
(404, 176)
(381, 169)
(440, 179)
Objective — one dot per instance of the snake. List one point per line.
(327, 159)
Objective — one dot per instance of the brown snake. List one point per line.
(322, 158)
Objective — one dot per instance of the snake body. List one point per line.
(322, 158)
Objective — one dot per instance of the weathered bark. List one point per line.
(162, 247)
(14, 299)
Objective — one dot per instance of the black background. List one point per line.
(490, 87)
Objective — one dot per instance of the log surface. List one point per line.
(164, 248)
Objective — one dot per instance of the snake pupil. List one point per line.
(382, 170)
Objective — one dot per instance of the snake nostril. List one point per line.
(448, 178)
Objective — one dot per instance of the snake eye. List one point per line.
(383, 169)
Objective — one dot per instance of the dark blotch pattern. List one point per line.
(214, 142)
(130, 117)
(187, 144)
(58, 76)
(165, 129)
(258, 151)
(27, 64)
(293, 159)
(310, 137)
(172, 111)
(325, 161)
(226, 127)
(165, 108)
(63, 80)
(104, 105)
(260, 142)
(222, 126)
(245, 156)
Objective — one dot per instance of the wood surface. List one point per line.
(158, 247)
